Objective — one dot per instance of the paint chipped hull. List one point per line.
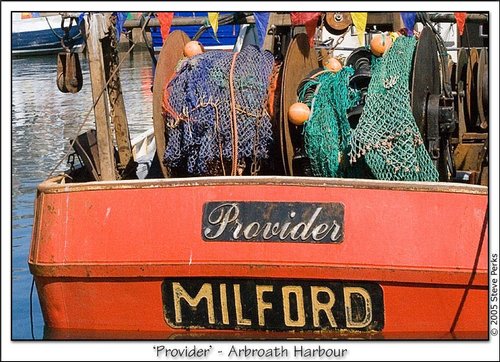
(100, 268)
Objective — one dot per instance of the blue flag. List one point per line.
(120, 20)
(261, 21)
(409, 21)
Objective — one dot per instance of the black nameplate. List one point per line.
(272, 305)
(298, 222)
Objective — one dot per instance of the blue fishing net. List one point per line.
(216, 101)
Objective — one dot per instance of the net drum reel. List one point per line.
(170, 55)
(211, 111)
(432, 108)
(360, 60)
(300, 61)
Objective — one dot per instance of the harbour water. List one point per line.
(44, 121)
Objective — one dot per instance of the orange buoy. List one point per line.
(379, 44)
(193, 48)
(298, 113)
(332, 64)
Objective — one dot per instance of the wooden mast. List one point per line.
(94, 28)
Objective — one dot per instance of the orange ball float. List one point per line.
(332, 64)
(298, 113)
(193, 48)
(379, 44)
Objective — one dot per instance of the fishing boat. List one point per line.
(42, 33)
(273, 255)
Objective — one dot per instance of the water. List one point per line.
(44, 120)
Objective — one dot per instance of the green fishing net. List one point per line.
(327, 132)
(387, 135)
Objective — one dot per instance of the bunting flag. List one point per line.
(460, 18)
(165, 20)
(213, 19)
(261, 21)
(309, 20)
(409, 19)
(359, 21)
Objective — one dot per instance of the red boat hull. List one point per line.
(101, 252)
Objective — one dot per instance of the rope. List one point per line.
(53, 31)
(234, 125)
(61, 38)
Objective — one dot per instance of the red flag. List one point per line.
(309, 20)
(460, 17)
(165, 20)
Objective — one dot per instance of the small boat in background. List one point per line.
(42, 33)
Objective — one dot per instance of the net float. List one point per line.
(379, 44)
(298, 113)
(193, 48)
(332, 64)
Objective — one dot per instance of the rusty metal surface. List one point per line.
(170, 54)
(300, 60)
(469, 156)
(337, 22)
(69, 72)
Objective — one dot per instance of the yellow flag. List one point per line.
(213, 19)
(359, 21)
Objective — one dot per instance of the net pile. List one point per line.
(215, 113)
(387, 135)
(327, 132)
